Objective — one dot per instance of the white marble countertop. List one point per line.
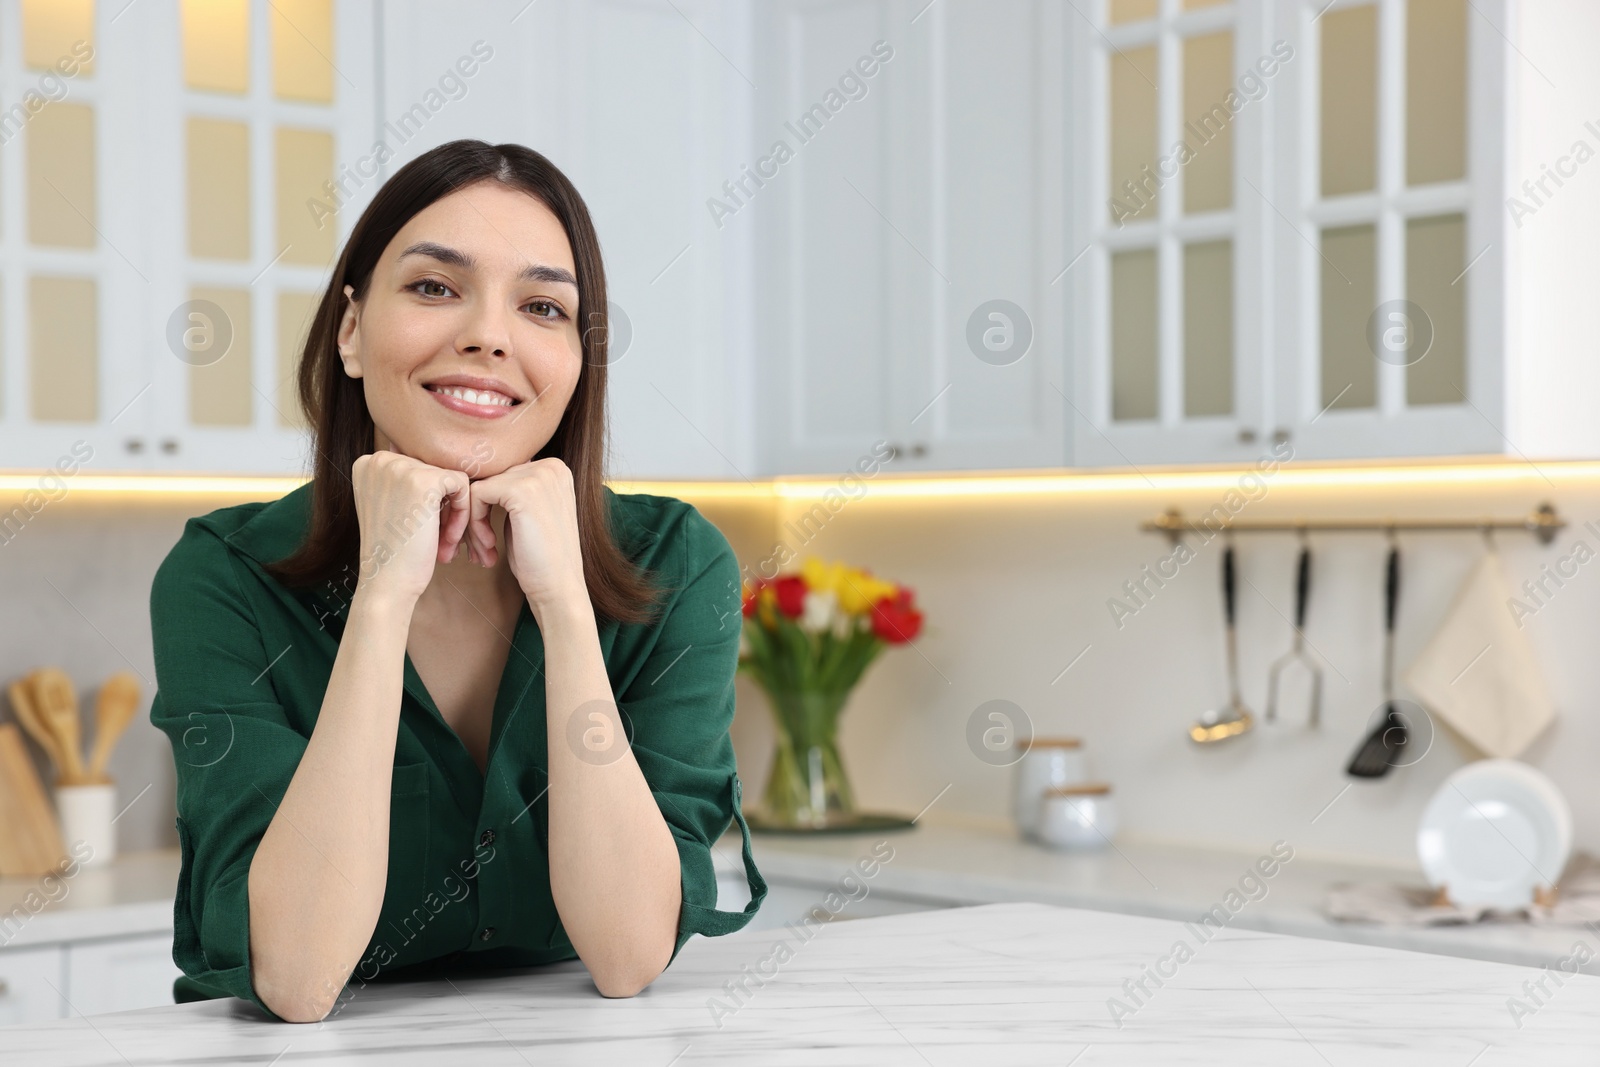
(1004, 984)
(935, 863)
(947, 864)
(129, 896)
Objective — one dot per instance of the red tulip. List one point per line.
(895, 619)
(791, 590)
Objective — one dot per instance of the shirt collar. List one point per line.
(276, 529)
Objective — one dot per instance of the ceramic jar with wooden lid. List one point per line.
(1049, 762)
(1078, 816)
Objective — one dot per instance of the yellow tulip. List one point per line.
(822, 577)
(814, 572)
(855, 589)
(861, 590)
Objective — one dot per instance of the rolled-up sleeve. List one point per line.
(679, 707)
(234, 751)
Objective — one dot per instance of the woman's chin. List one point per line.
(473, 456)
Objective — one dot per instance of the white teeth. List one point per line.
(473, 396)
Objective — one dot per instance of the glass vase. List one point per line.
(807, 787)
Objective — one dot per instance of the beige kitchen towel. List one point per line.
(1478, 673)
(1577, 902)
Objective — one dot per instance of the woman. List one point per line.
(453, 703)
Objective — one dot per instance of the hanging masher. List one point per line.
(1297, 652)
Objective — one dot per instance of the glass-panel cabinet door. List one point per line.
(1167, 206)
(260, 124)
(71, 252)
(1391, 271)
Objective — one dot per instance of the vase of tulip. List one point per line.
(808, 637)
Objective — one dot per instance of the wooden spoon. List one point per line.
(113, 711)
(26, 711)
(58, 709)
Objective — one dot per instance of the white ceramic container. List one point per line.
(1050, 762)
(1081, 816)
(86, 813)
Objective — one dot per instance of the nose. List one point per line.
(486, 331)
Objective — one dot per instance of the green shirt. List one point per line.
(242, 663)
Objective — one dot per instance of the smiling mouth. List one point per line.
(480, 397)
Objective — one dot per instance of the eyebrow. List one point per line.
(533, 272)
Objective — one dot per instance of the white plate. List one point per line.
(1496, 830)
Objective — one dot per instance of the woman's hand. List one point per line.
(411, 516)
(541, 530)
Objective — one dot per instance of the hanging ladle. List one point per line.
(1235, 719)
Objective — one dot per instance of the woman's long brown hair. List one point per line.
(342, 428)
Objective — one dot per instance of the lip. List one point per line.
(468, 381)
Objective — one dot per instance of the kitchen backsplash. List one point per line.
(1026, 601)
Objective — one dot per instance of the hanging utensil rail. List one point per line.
(1542, 522)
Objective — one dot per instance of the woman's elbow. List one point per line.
(623, 984)
(305, 1010)
(295, 1000)
(629, 977)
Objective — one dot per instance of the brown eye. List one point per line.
(558, 313)
(418, 286)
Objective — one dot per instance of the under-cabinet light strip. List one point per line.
(51, 484)
(885, 485)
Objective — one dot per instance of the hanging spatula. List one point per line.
(1379, 750)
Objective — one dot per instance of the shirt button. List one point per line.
(486, 838)
(487, 934)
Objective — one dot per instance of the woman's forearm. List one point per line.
(317, 881)
(614, 873)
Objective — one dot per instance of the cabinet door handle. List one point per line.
(5, 987)
(1246, 435)
(169, 445)
(919, 450)
(1280, 436)
(134, 444)
(894, 451)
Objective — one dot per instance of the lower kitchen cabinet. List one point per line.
(120, 974)
(62, 981)
(30, 983)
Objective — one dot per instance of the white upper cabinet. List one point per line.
(1168, 160)
(167, 219)
(834, 302)
(1299, 225)
(1549, 228)
(169, 226)
(657, 107)
(1389, 265)
(258, 122)
(904, 175)
(643, 106)
(74, 273)
(972, 235)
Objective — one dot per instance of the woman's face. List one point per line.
(467, 341)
